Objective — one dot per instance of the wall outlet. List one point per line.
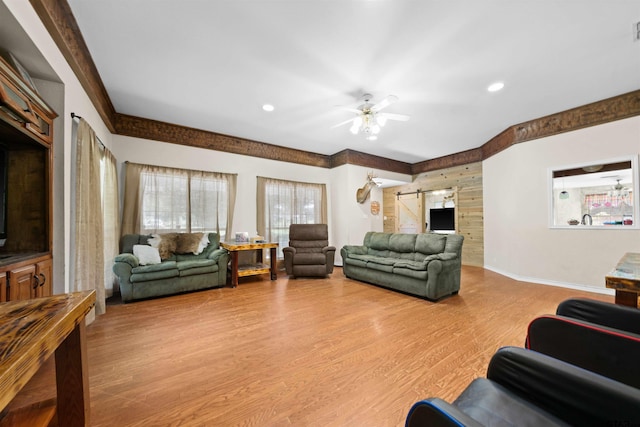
(636, 31)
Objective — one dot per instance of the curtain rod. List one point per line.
(75, 116)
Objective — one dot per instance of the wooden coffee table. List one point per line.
(238, 270)
(625, 279)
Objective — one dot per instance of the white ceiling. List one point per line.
(212, 64)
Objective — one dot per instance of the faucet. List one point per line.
(586, 219)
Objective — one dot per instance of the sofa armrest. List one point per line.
(353, 249)
(437, 412)
(568, 392)
(127, 258)
(217, 253)
(606, 351)
(602, 313)
(328, 249)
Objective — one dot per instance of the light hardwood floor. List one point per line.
(301, 352)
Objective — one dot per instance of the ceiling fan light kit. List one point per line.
(369, 120)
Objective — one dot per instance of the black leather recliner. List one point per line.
(599, 336)
(527, 388)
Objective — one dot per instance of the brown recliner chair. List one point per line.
(309, 253)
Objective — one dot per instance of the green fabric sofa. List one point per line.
(179, 273)
(427, 264)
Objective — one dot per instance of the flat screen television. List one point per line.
(442, 219)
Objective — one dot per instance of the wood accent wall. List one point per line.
(469, 208)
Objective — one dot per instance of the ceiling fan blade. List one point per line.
(342, 123)
(398, 117)
(384, 103)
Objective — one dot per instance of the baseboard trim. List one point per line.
(537, 280)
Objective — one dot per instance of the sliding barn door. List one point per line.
(410, 213)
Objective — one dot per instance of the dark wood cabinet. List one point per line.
(44, 273)
(22, 284)
(28, 278)
(3, 287)
(26, 139)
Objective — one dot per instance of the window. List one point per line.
(596, 195)
(179, 200)
(282, 203)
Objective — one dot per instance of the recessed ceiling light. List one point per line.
(494, 87)
(268, 107)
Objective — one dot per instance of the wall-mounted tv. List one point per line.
(442, 219)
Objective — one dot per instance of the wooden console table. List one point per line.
(625, 279)
(251, 269)
(30, 332)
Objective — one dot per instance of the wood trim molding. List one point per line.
(58, 18)
(160, 131)
(59, 21)
(358, 158)
(456, 159)
(597, 113)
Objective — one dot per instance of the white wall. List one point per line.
(518, 240)
(75, 100)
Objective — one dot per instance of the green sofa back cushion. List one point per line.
(430, 243)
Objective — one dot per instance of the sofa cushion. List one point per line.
(194, 263)
(415, 274)
(310, 258)
(430, 243)
(303, 246)
(128, 240)
(491, 404)
(194, 267)
(145, 273)
(380, 267)
(374, 258)
(413, 265)
(402, 243)
(166, 265)
(379, 241)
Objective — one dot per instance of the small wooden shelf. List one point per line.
(244, 270)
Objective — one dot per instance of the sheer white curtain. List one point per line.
(281, 203)
(161, 200)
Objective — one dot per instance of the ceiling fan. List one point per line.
(618, 190)
(369, 120)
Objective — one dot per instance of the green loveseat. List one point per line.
(427, 264)
(178, 273)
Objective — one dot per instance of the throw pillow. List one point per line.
(146, 254)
